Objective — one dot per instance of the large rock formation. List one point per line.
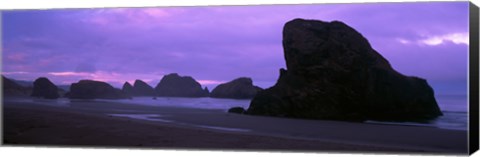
(240, 88)
(89, 89)
(333, 73)
(44, 88)
(173, 85)
(141, 88)
(127, 88)
(12, 89)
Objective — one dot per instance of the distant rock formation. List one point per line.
(173, 85)
(89, 89)
(141, 88)
(44, 88)
(12, 89)
(240, 88)
(127, 88)
(333, 73)
(205, 90)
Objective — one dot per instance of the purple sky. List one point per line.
(219, 44)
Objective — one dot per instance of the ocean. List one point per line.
(455, 114)
(454, 108)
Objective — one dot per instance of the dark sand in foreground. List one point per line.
(86, 123)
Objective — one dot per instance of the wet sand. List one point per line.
(107, 124)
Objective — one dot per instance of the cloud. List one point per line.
(144, 18)
(210, 82)
(69, 73)
(403, 41)
(14, 72)
(222, 42)
(435, 40)
(457, 38)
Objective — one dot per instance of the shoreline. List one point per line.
(265, 133)
(442, 122)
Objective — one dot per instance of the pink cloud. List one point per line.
(69, 73)
(209, 82)
(131, 17)
(14, 72)
(457, 38)
(156, 12)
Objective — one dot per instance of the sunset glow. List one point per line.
(218, 44)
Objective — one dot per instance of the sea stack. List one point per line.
(89, 89)
(44, 88)
(141, 88)
(240, 88)
(174, 85)
(333, 73)
(205, 90)
(127, 88)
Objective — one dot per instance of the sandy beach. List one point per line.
(107, 124)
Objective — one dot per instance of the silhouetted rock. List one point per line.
(89, 89)
(240, 88)
(141, 88)
(127, 88)
(205, 90)
(239, 110)
(173, 85)
(12, 89)
(333, 73)
(44, 88)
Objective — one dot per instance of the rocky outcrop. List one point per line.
(239, 110)
(333, 73)
(205, 90)
(12, 89)
(127, 88)
(44, 88)
(173, 85)
(141, 88)
(89, 89)
(240, 88)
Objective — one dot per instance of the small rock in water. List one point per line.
(90, 89)
(174, 85)
(240, 88)
(239, 110)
